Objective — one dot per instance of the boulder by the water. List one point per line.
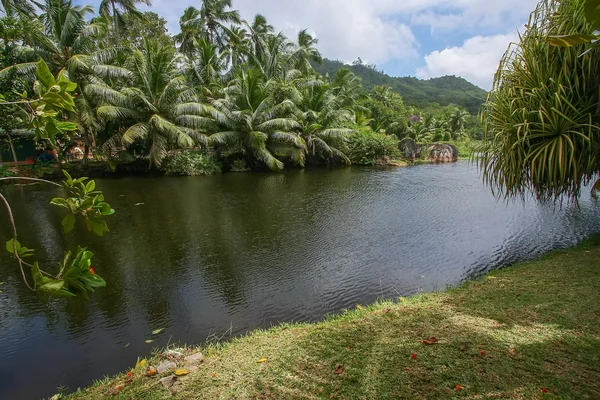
(409, 148)
(442, 152)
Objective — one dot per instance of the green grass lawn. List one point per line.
(525, 332)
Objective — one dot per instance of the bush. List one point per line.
(5, 172)
(366, 147)
(189, 163)
(239, 165)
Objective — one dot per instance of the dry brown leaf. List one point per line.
(151, 371)
(429, 341)
(339, 369)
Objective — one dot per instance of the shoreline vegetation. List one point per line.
(525, 331)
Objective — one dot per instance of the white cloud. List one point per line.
(476, 60)
(382, 31)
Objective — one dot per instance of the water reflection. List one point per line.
(248, 250)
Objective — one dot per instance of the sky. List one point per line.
(422, 38)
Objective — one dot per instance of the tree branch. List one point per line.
(16, 178)
(15, 253)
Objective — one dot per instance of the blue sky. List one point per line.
(423, 38)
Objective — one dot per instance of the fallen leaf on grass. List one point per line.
(149, 340)
(181, 372)
(458, 387)
(339, 369)
(359, 307)
(492, 277)
(139, 204)
(429, 341)
(544, 390)
(413, 356)
(262, 360)
(151, 371)
(157, 331)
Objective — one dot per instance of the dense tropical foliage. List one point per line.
(542, 125)
(235, 91)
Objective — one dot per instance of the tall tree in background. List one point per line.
(158, 107)
(117, 9)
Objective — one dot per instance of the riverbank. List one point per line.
(528, 331)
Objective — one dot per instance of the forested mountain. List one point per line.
(416, 92)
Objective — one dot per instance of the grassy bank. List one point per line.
(526, 332)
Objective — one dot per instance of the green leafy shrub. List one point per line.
(5, 172)
(190, 163)
(239, 165)
(366, 147)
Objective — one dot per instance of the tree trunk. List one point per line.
(86, 151)
(12, 149)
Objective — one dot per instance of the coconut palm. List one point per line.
(65, 39)
(275, 59)
(116, 9)
(204, 68)
(323, 121)
(211, 20)
(259, 30)
(457, 120)
(237, 47)
(190, 31)
(24, 7)
(541, 117)
(251, 122)
(157, 108)
(348, 88)
(306, 52)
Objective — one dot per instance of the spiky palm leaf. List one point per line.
(541, 124)
(156, 106)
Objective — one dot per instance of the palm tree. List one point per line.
(190, 31)
(116, 9)
(457, 120)
(64, 39)
(274, 61)
(323, 121)
(204, 68)
(158, 108)
(24, 7)
(237, 47)
(348, 88)
(251, 122)
(259, 30)
(212, 20)
(306, 52)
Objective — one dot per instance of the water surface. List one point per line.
(236, 252)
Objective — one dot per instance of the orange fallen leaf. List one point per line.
(482, 352)
(151, 371)
(458, 387)
(262, 360)
(413, 356)
(339, 369)
(214, 375)
(544, 390)
(181, 372)
(430, 340)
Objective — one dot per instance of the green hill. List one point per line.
(416, 92)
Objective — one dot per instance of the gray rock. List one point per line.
(442, 152)
(194, 359)
(168, 381)
(165, 366)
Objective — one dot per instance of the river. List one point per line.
(212, 256)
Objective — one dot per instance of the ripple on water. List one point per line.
(204, 257)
